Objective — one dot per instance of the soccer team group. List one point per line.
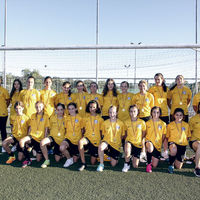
(71, 123)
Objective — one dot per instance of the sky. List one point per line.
(73, 22)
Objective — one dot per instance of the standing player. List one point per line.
(19, 129)
(178, 133)
(47, 95)
(113, 132)
(124, 100)
(109, 97)
(29, 97)
(159, 91)
(57, 134)
(4, 102)
(74, 131)
(38, 129)
(92, 137)
(64, 97)
(135, 131)
(155, 135)
(80, 98)
(179, 96)
(195, 139)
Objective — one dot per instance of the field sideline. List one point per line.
(56, 182)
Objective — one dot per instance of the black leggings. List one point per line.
(3, 121)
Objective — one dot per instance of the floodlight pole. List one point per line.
(97, 39)
(196, 41)
(4, 53)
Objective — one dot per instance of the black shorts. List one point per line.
(155, 152)
(105, 117)
(55, 147)
(191, 142)
(135, 151)
(113, 153)
(165, 119)
(185, 119)
(73, 149)
(16, 143)
(35, 145)
(180, 151)
(145, 118)
(93, 151)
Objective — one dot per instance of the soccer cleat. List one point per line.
(197, 172)
(26, 163)
(100, 168)
(126, 167)
(45, 164)
(10, 160)
(3, 150)
(149, 168)
(68, 162)
(143, 157)
(171, 169)
(14, 148)
(83, 166)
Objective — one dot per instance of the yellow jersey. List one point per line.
(196, 99)
(160, 98)
(97, 97)
(29, 98)
(125, 101)
(194, 124)
(57, 128)
(73, 125)
(108, 100)
(179, 98)
(113, 133)
(178, 133)
(80, 100)
(38, 124)
(48, 98)
(4, 96)
(135, 131)
(20, 125)
(92, 125)
(13, 100)
(154, 132)
(144, 103)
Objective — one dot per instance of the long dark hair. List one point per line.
(84, 87)
(105, 89)
(70, 91)
(98, 110)
(163, 81)
(14, 89)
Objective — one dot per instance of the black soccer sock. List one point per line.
(26, 153)
(149, 156)
(11, 154)
(171, 159)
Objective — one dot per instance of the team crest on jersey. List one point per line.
(159, 127)
(129, 98)
(95, 121)
(117, 127)
(42, 119)
(70, 98)
(33, 95)
(147, 100)
(22, 121)
(52, 94)
(139, 126)
(76, 121)
(183, 128)
(184, 92)
(96, 98)
(83, 97)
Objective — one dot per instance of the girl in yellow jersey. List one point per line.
(94, 95)
(19, 129)
(29, 97)
(135, 131)
(47, 95)
(124, 100)
(74, 132)
(196, 100)
(38, 129)
(178, 133)
(57, 134)
(92, 136)
(14, 95)
(113, 132)
(109, 97)
(155, 135)
(64, 97)
(144, 101)
(159, 91)
(80, 97)
(195, 139)
(4, 102)
(179, 96)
